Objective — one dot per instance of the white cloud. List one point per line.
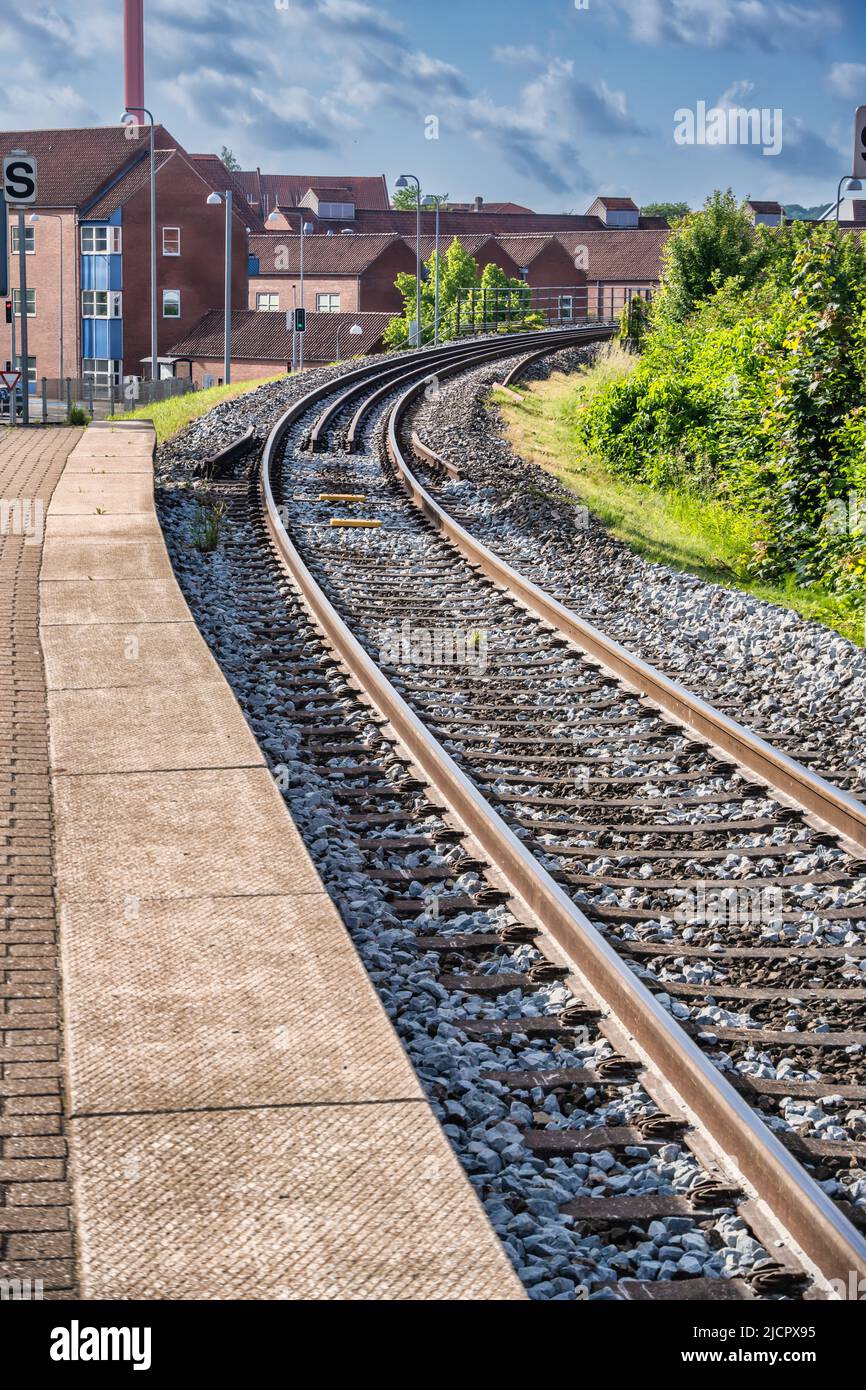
(763, 24)
(848, 80)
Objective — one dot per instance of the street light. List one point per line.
(854, 186)
(56, 217)
(403, 182)
(430, 201)
(154, 349)
(213, 200)
(355, 331)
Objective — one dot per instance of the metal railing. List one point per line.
(52, 398)
(502, 309)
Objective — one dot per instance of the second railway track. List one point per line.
(643, 952)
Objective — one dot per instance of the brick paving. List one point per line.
(35, 1226)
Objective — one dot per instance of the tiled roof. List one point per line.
(220, 179)
(490, 207)
(132, 182)
(323, 255)
(617, 204)
(258, 336)
(630, 254)
(74, 165)
(764, 207)
(471, 241)
(287, 190)
(525, 249)
(332, 194)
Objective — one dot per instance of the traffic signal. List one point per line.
(300, 320)
(8, 310)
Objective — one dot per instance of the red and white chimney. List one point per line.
(133, 54)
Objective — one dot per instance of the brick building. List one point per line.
(342, 274)
(261, 344)
(94, 204)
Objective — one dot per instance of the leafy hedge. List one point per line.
(752, 388)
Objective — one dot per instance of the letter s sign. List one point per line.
(19, 178)
(859, 166)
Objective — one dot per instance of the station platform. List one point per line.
(242, 1121)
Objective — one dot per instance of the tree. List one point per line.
(672, 211)
(495, 299)
(404, 199)
(704, 249)
(229, 159)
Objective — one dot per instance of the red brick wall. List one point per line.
(43, 275)
(241, 371)
(378, 292)
(197, 272)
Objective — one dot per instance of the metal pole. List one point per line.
(300, 335)
(227, 350)
(45, 400)
(417, 263)
(12, 394)
(22, 300)
(436, 291)
(844, 179)
(154, 350)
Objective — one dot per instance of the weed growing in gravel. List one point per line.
(206, 526)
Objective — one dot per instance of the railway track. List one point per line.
(628, 926)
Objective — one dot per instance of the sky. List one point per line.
(542, 102)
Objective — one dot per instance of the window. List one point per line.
(171, 241)
(566, 307)
(102, 371)
(31, 303)
(270, 303)
(171, 304)
(337, 212)
(29, 239)
(327, 304)
(101, 304)
(31, 367)
(100, 241)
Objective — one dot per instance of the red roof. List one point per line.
(349, 254)
(263, 337)
(268, 191)
(632, 255)
(75, 165)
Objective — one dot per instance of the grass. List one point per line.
(173, 415)
(674, 528)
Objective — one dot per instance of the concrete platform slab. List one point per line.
(81, 494)
(106, 559)
(316, 1203)
(241, 1008)
(150, 729)
(112, 655)
(126, 526)
(176, 835)
(112, 601)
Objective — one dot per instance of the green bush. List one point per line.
(77, 415)
(755, 394)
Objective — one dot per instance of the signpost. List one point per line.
(10, 380)
(19, 188)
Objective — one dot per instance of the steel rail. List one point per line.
(798, 1204)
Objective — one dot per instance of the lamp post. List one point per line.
(430, 201)
(355, 331)
(854, 186)
(214, 200)
(403, 182)
(56, 217)
(306, 228)
(154, 350)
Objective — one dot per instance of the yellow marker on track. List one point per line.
(351, 521)
(342, 496)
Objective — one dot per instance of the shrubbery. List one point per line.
(752, 388)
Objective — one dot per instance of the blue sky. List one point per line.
(537, 101)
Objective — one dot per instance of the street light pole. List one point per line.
(433, 200)
(403, 182)
(22, 300)
(854, 186)
(56, 217)
(305, 227)
(213, 200)
(154, 350)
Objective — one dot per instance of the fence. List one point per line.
(489, 310)
(52, 398)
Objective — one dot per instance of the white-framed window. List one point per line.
(31, 303)
(100, 241)
(337, 212)
(29, 239)
(269, 303)
(31, 366)
(101, 304)
(171, 241)
(102, 371)
(171, 304)
(327, 304)
(566, 307)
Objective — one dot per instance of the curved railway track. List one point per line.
(625, 891)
